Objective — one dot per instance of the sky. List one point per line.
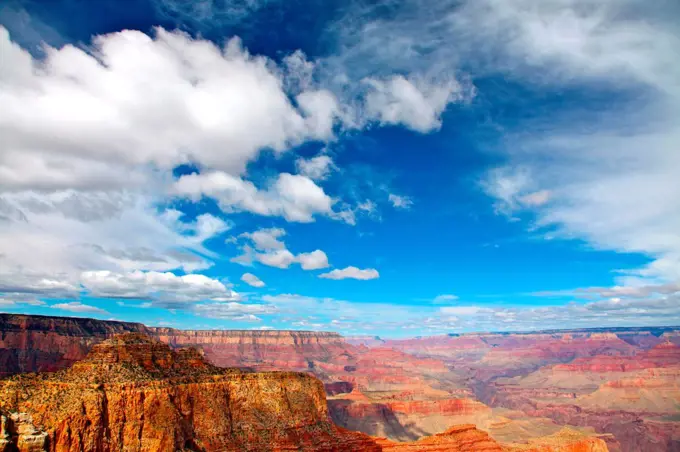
(392, 168)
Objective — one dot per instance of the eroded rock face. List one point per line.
(635, 398)
(280, 350)
(135, 394)
(41, 343)
(463, 438)
(31, 343)
(18, 433)
(467, 438)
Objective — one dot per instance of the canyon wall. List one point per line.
(31, 343)
(135, 394)
(409, 389)
(291, 350)
(41, 343)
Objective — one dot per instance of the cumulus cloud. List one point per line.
(252, 280)
(162, 288)
(415, 103)
(313, 261)
(88, 149)
(72, 200)
(351, 273)
(277, 258)
(294, 197)
(599, 170)
(204, 100)
(268, 249)
(266, 239)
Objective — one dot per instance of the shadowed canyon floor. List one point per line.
(532, 391)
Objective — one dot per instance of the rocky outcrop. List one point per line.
(17, 433)
(467, 438)
(135, 394)
(462, 438)
(566, 440)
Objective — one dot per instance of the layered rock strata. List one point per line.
(135, 394)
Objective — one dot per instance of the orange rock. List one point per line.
(135, 394)
(461, 438)
(566, 440)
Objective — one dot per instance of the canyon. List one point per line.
(134, 393)
(525, 391)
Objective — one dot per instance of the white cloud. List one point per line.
(536, 199)
(204, 100)
(208, 226)
(49, 238)
(351, 273)
(266, 239)
(316, 168)
(245, 258)
(277, 258)
(444, 298)
(652, 311)
(233, 311)
(75, 306)
(604, 167)
(88, 148)
(252, 280)
(273, 251)
(461, 310)
(293, 197)
(605, 173)
(637, 291)
(415, 103)
(400, 202)
(162, 288)
(313, 261)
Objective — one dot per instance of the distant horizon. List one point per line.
(403, 168)
(471, 333)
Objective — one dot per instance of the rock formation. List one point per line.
(618, 381)
(132, 393)
(33, 343)
(18, 432)
(463, 438)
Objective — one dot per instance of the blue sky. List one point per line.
(394, 168)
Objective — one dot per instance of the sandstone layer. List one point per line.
(135, 394)
(31, 343)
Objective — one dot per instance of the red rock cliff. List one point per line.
(132, 393)
(32, 343)
(40, 343)
(292, 350)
